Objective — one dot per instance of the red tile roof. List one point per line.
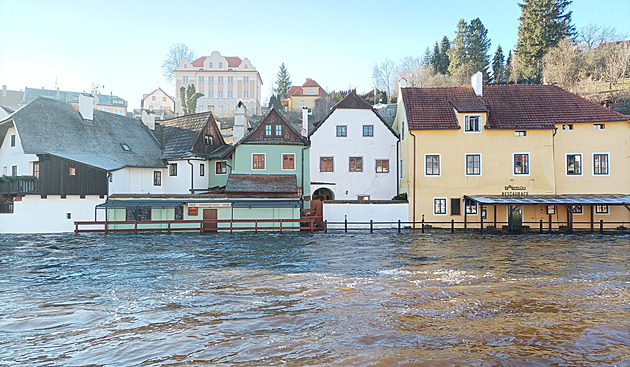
(508, 106)
(233, 61)
(310, 83)
(199, 62)
(294, 90)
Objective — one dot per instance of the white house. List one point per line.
(353, 154)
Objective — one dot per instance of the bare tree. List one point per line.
(384, 76)
(617, 58)
(410, 68)
(594, 35)
(175, 55)
(562, 65)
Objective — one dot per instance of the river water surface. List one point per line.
(383, 299)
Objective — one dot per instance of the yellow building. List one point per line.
(513, 155)
(302, 96)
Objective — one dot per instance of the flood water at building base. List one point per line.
(296, 299)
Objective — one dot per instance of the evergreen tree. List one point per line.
(444, 61)
(457, 54)
(498, 68)
(275, 102)
(283, 83)
(426, 58)
(478, 47)
(189, 96)
(543, 24)
(435, 58)
(507, 71)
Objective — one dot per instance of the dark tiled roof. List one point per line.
(13, 99)
(268, 186)
(352, 102)
(31, 94)
(508, 107)
(179, 134)
(7, 110)
(48, 126)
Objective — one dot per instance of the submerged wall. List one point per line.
(364, 211)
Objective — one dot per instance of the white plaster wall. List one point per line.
(325, 143)
(180, 184)
(14, 156)
(36, 215)
(364, 212)
(131, 180)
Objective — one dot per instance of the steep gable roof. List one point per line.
(233, 61)
(179, 134)
(299, 90)
(48, 126)
(508, 107)
(199, 62)
(157, 89)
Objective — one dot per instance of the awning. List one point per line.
(135, 203)
(267, 204)
(593, 199)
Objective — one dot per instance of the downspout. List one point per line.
(192, 177)
(553, 153)
(302, 157)
(397, 163)
(414, 178)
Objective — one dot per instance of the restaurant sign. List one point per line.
(513, 190)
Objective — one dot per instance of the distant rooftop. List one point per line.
(31, 94)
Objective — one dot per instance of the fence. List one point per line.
(6, 207)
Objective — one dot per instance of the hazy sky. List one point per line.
(122, 44)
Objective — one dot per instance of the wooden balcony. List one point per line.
(19, 186)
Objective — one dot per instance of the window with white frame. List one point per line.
(220, 80)
(472, 123)
(432, 167)
(230, 80)
(157, 178)
(278, 130)
(600, 164)
(220, 94)
(172, 169)
(521, 163)
(258, 161)
(302, 104)
(574, 164)
(601, 209)
(245, 80)
(246, 94)
(268, 130)
(473, 164)
(200, 80)
(439, 206)
(342, 130)
(382, 166)
(471, 206)
(210, 80)
(230, 94)
(202, 169)
(368, 130)
(185, 79)
(355, 164)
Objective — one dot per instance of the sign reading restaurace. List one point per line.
(209, 205)
(511, 190)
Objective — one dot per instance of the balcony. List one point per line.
(20, 185)
(6, 207)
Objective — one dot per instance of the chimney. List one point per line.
(148, 118)
(477, 83)
(4, 90)
(305, 122)
(86, 106)
(240, 123)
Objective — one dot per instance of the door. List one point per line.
(515, 215)
(207, 215)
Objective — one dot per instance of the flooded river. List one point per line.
(383, 299)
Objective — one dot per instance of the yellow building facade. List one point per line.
(512, 155)
(302, 96)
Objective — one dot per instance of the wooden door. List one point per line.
(207, 215)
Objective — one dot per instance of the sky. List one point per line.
(121, 45)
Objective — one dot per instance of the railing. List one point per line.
(6, 207)
(19, 186)
(201, 226)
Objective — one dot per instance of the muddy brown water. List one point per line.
(382, 299)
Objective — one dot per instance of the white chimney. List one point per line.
(86, 106)
(305, 122)
(148, 118)
(240, 123)
(477, 83)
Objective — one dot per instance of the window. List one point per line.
(200, 80)
(382, 165)
(36, 169)
(230, 94)
(13, 140)
(230, 80)
(567, 127)
(139, 213)
(163, 99)
(179, 212)
(207, 139)
(368, 130)
(119, 111)
(302, 104)
(157, 178)
(202, 169)
(210, 80)
(520, 133)
(125, 147)
(268, 130)
(220, 80)
(288, 161)
(325, 164)
(472, 123)
(245, 94)
(456, 208)
(258, 161)
(578, 209)
(278, 130)
(245, 80)
(600, 164)
(15, 173)
(473, 164)
(574, 164)
(521, 163)
(220, 65)
(471, 206)
(72, 171)
(342, 130)
(356, 164)
(439, 206)
(432, 167)
(363, 197)
(210, 65)
(185, 79)
(172, 169)
(601, 209)
(599, 126)
(220, 168)
(211, 94)
(220, 94)
(153, 98)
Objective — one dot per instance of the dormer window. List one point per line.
(310, 92)
(267, 130)
(185, 66)
(210, 65)
(220, 65)
(472, 123)
(207, 139)
(125, 147)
